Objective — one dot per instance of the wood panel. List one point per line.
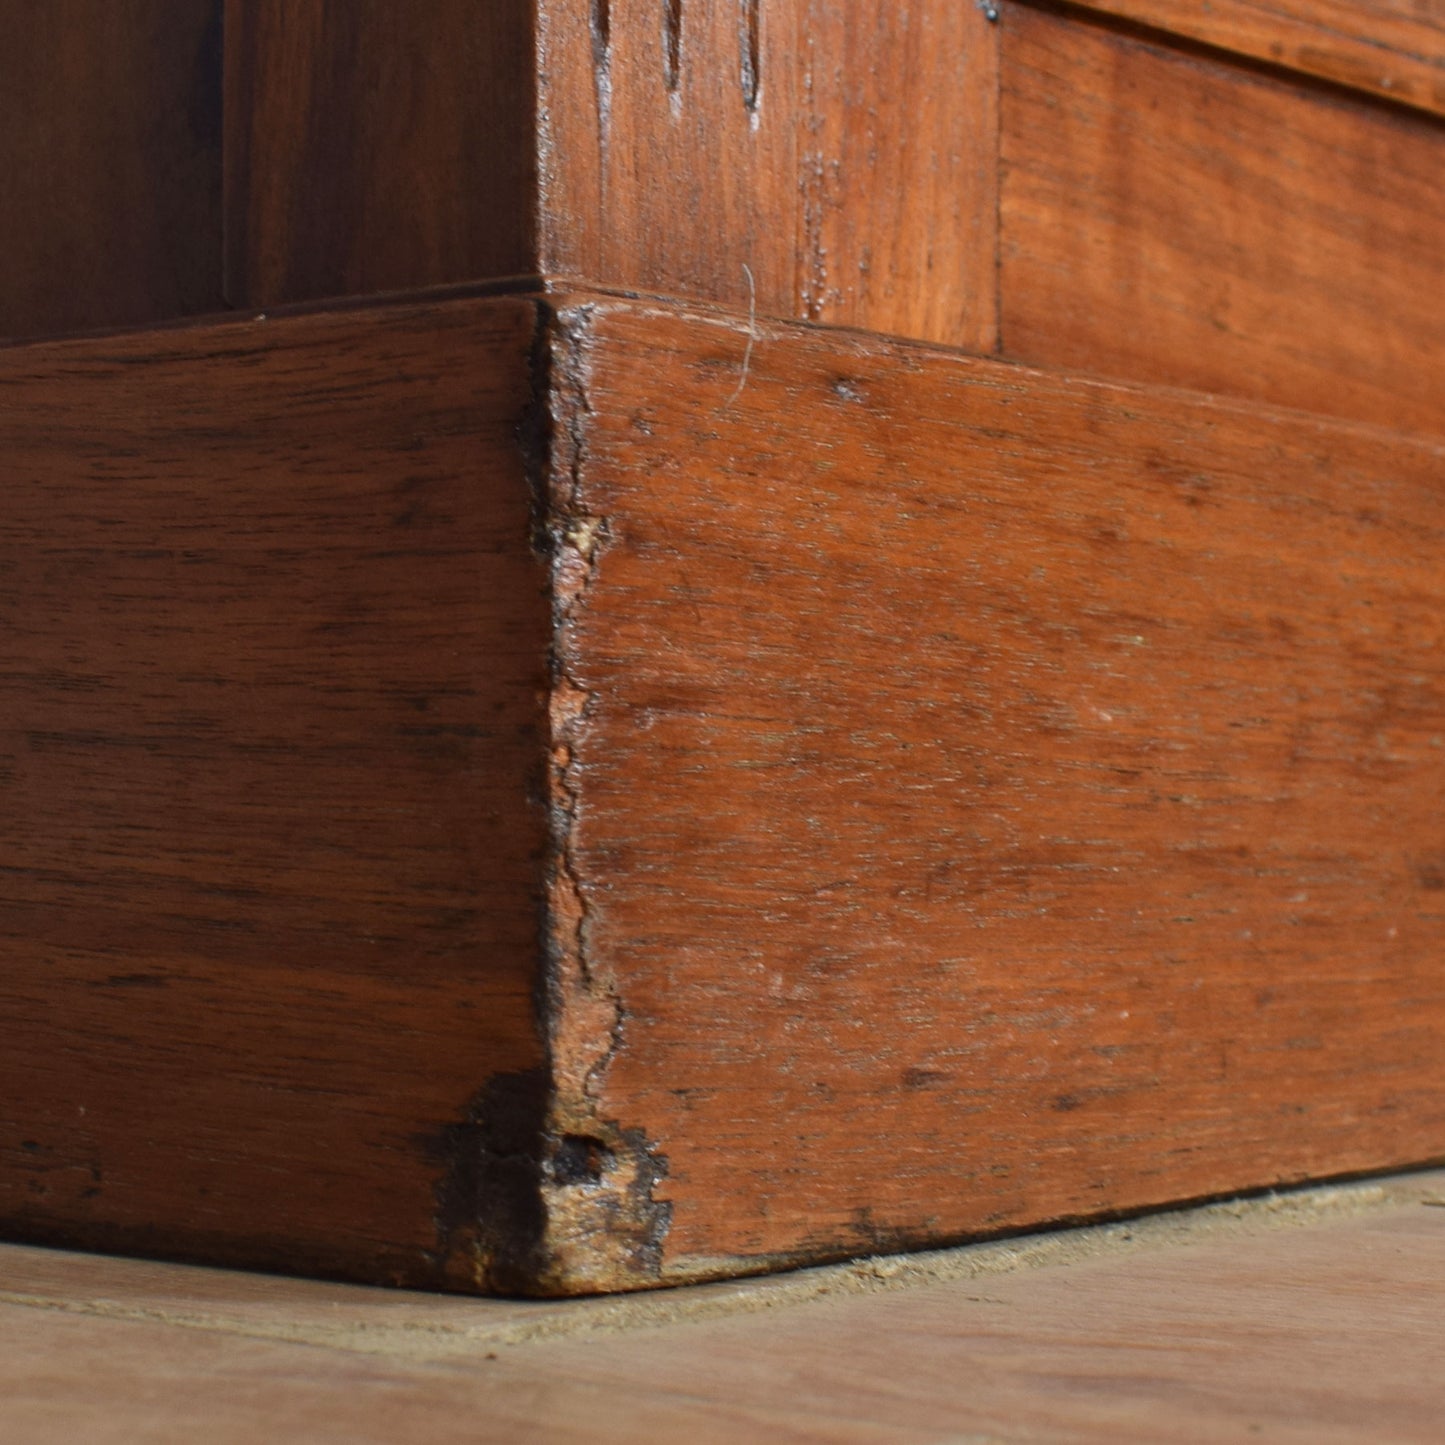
(964, 798)
(1393, 48)
(377, 146)
(838, 158)
(992, 798)
(821, 161)
(272, 656)
(1170, 219)
(110, 162)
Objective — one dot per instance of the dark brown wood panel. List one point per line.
(1393, 48)
(110, 162)
(1170, 219)
(270, 678)
(835, 159)
(995, 798)
(377, 145)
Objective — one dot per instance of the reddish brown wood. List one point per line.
(1393, 48)
(826, 161)
(1171, 219)
(935, 797)
(823, 161)
(838, 158)
(273, 651)
(375, 146)
(110, 162)
(994, 798)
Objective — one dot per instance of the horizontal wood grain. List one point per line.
(110, 162)
(270, 678)
(580, 794)
(1170, 218)
(1393, 48)
(997, 798)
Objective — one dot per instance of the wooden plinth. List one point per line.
(560, 794)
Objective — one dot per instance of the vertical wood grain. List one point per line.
(827, 162)
(110, 162)
(376, 146)
(821, 161)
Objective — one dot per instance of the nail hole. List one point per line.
(580, 1159)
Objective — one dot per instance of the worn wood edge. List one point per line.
(401, 1325)
(594, 1224)
(573, 1206)
(527, 286)
(604, 1229)
(1279, 42)
(537, 1194)
(576, 309)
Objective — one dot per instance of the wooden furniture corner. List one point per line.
(848, 659)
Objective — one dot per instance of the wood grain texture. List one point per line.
(830, 162)
(270, 697)
(844, 154)
(110, 162)
(1169, 219)
(377, 146)
(1392, 48)
(430, 1328)
(1318, 1336)
(924, 798)
(994, 798)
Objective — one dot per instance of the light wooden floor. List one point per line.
(1312, 1317)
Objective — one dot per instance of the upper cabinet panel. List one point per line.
(825, 160)
(1171, 218)
(1395, 48)
(110, 162)
(377, 145)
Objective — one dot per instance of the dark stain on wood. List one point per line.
(565, 820)
(490, 1215)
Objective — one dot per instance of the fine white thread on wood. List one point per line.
(752, 337)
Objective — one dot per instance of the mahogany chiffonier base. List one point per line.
(551, 795)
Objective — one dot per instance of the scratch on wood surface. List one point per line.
(672, 45)
(601, 26)
(751, 60)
